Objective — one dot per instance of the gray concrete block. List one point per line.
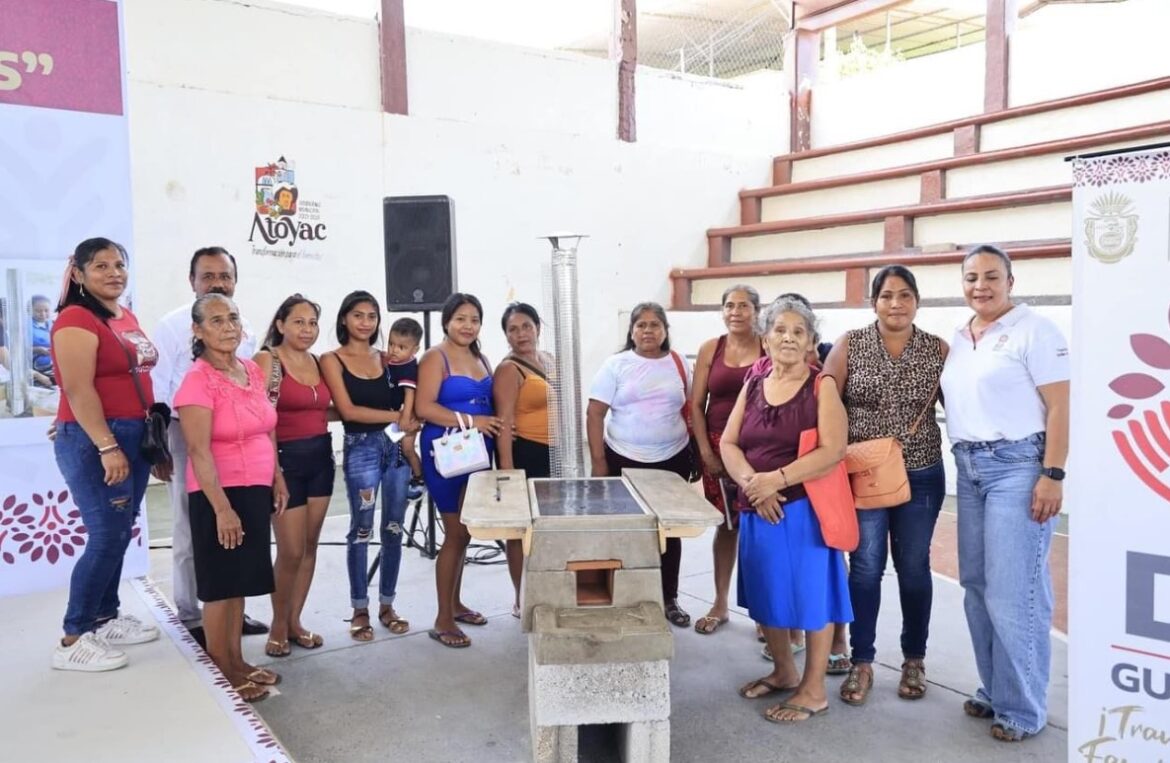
(550, 744)
(647, 742)
(554, 744)
(632, 587)
(554, 589)
(552, 550)
(572, 695)
(595, 635)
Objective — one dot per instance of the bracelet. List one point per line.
(784, 477)
(109, 449)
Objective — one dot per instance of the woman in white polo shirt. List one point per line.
(1005, 386)
(634, 419)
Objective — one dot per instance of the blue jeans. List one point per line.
(371, 460)
(906, 530)
(1003, 568)
(108, 513)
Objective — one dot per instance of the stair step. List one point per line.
(821, 276)
(897, 220)
(973, 123)
(1066, 145)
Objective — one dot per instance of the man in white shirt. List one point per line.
(213, 271)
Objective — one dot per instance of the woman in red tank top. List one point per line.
(305, 451)
(720, 371)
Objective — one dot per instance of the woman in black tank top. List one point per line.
(363, 393)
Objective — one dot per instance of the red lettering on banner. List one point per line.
(61, 54)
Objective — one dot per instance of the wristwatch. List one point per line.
(1053, 473)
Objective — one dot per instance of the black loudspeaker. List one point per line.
(419, 234)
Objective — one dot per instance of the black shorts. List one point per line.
(308, 468)
(532, 457)
(245, 570)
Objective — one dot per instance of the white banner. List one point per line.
(1119, 581)
(64, 177)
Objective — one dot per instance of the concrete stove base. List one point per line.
(563, 697)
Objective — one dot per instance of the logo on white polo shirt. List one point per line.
(1143, 436)
(1111, 228)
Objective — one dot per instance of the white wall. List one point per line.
(1064, 50)
(645, 209)
(909, 94)
(522, 140)
(1058, 51)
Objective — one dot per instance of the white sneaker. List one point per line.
(89, 654)
(126, 629)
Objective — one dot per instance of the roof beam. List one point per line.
(840, 14)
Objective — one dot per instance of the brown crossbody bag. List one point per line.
(877, 470)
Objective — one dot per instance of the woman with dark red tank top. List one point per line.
(305, 451)
(720, 371)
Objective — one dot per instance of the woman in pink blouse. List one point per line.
(229, 427)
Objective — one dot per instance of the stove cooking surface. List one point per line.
(584, 498)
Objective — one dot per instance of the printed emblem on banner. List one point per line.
(1143, 438)
(285, 224)
(1111, 228)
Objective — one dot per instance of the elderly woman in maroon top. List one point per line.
(720, 370)
(788, 577)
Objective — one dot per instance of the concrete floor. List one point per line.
(407, 698)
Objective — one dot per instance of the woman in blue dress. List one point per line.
(454, 376)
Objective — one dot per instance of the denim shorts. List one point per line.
(308, 468)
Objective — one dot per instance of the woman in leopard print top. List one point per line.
(888, 375)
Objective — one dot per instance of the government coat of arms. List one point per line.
(1111, 228)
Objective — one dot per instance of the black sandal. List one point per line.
(676, 615)
(977, 709)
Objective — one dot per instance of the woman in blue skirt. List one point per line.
(788, 577)
(454, 377)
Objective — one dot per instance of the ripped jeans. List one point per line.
(108, 513)
(371, 460)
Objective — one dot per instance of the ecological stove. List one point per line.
(599, 646)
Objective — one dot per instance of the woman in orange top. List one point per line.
(520, 390)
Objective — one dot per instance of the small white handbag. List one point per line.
(461, 451)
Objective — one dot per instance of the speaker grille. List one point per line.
(419, 234)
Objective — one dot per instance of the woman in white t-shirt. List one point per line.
(635, 420)
(1005, 386)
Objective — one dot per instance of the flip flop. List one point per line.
(795, 708)
(708, 624)
(771, 688)
(443, 637)
(308, 640)
(977, 709)
(470, 617)
(263, 677)
(277, 648)
(250, 685)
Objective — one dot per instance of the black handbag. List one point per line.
(155, 446)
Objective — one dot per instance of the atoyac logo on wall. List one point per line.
(284, 223)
